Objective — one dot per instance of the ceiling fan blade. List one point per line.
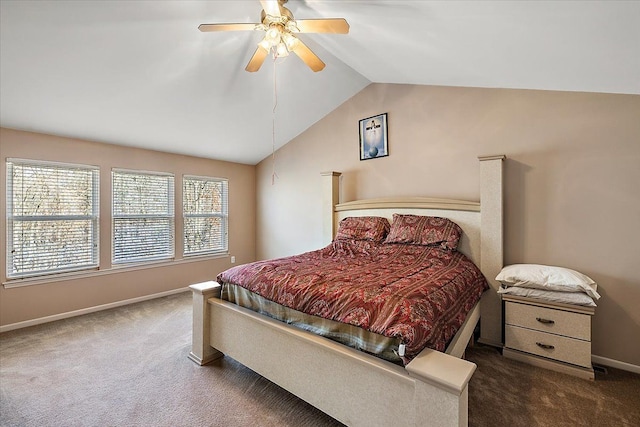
(333, 25)
(270, 7)
(309, 58)
(226, 27)
(257, 59)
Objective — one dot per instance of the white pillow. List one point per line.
(575, 298)
(547, 278)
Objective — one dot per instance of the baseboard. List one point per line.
(615, 364)
(54, 317)
(490, 343)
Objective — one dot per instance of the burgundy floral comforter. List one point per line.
(419, 294)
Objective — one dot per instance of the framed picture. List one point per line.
(373, 137)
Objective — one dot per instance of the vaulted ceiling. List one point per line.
(139, 73)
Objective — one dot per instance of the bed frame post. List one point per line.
(201, 350)
(491, 261)
(330, 198)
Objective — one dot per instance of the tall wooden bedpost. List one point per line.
(491, 261)
(330, 198)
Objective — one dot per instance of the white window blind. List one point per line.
(143, 216)
(205, 210)
(52, 217)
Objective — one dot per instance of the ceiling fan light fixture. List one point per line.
(281, 50)
(264, 43)
(290, 41)
(279, 41)
(280, 34)
(273, 35)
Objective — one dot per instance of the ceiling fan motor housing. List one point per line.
(285, 16)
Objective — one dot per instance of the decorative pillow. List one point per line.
(424, 230)
(363, 228)
(548, 278)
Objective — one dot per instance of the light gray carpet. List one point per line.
(128, 367)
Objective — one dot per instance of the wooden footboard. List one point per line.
(353, 387)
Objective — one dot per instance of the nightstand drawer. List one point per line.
(569, 350)
(575, 325)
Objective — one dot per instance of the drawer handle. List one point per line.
(546, 321)
(545, 346)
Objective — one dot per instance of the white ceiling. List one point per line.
(140, 73)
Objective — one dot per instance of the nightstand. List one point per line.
(551, 335)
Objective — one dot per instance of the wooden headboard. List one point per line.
(482, 224)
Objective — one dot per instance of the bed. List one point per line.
(352, 386)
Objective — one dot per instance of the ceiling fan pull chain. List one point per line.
(274, 175)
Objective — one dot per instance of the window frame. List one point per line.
(170, 215)
(224, 216)
(93, 218)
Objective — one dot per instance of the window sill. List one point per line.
(118, 269)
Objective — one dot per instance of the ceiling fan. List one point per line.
(281, 29)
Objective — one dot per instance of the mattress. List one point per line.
(418, 296)
(352, 336)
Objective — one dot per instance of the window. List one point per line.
(205, 208)
(143, 219)
(52, 217)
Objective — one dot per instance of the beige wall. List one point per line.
(572, 195)
(51, 297)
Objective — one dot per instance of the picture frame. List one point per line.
(373, 137)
